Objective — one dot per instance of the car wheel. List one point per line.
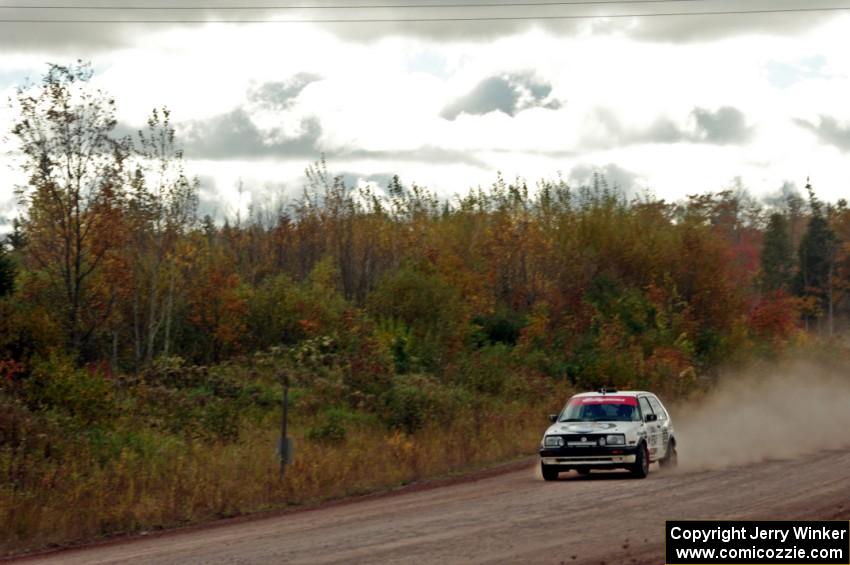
(671, 458)
(583, 472)
(641, 467)
(550, 472)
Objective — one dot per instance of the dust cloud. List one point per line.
(778, 414)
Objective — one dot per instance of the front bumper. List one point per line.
(589, 457)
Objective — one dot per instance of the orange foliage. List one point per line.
(775, 316)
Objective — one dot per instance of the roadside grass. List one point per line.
(166, 481)
(80, 461)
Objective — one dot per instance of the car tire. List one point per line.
(583, 472)
(550, 472)
(671, 458)
(641, 467)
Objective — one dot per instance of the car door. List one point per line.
(653, 429)
(664, 425)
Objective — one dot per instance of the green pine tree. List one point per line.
(7, 273)
(817, 256)
(777, 260)
(17, 239)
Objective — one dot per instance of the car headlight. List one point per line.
(553, 441)
(617, 439)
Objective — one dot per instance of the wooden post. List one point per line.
(283, 446)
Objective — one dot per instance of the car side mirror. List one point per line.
(651, 417)
(553, 418)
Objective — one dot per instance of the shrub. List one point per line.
(414, 400)
(330, 431)
(402, 344)
(55, 384)
(505, 326)
(487, 371)
(262, 396)
(323, 393)
(194, 413)
(19, 426)
(272, 312)
(107, 445)
(418, 297)
(220, 420)
(368, 364)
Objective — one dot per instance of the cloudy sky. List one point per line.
(672, 104)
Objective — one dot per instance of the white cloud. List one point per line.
(377, 104)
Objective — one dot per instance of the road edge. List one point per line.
(449, 479)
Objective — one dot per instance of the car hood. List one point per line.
(590, 427)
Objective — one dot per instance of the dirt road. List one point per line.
(510, 518)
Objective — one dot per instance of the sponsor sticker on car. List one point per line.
(627, 400)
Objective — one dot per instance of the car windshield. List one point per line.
(601, 409)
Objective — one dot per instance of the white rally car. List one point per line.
(608, 430)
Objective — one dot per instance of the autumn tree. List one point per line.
(162, 202)
(215, 309)
(840, 223)
(73, 192)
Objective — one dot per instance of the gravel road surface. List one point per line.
(513, 517)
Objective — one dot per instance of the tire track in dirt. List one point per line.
(512, 517)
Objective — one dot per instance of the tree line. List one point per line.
(110, 264)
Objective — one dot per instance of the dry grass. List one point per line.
(75, 499)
